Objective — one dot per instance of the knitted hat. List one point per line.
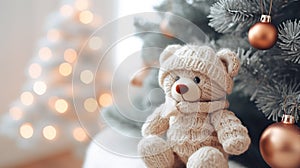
(219, 67)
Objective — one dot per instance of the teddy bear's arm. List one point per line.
(155, 123)
(231, 133)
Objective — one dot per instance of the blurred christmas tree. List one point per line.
(268, 82)
(61, 70)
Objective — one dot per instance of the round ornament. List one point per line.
(165, 28)
(263, 35)
(280, 144)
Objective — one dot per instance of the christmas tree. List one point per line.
(58, 107)
(268, 83)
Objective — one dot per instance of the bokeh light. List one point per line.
(49, 132)
(26, 130)
(61, 105)
(39, 87)
(35, 70)
(86, 76)
(79, 134)
(45, 53)
(70, 55)
(65, 69)
(90, 105)
(105, 100)
(26, 98)
(86, 17)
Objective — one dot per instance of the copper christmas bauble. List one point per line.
(280, 145)
(165, 28)
(262, 35)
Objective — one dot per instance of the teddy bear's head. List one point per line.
(196, 73)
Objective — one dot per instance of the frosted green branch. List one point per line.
(277, 99)
(252, 74)
(233, 15)
(289, 40)
(144, 25)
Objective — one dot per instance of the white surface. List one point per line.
(110, 149)
(99, 156)
(12, 155)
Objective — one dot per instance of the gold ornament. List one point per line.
(280, 144)
(263, 35)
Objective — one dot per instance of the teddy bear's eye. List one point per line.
(177, 78)
(197, 79)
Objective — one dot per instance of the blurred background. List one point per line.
(24, 27)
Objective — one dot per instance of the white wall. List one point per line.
(21, 26)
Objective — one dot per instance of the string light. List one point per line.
(86, 76)
(86, 17)
(95, 43)
(70, 55)
(79, 134)
(105, 100)
(49, 132)
(90, 104)
(45, 53)
(61, 105)
(66, 10)
(65, 69)
(26, 98)
(82, 4)
(26, 130)
(35, 70)
(16, 113)
(39, 87)
(53, 35)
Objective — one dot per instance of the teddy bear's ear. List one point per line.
(230, 61)
(168, 51)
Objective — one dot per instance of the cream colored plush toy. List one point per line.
(201, 132)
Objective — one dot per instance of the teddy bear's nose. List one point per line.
(181, 89)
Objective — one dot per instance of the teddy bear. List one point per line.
(193, 127)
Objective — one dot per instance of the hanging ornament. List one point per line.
(263, 35)
(280, 144)
(165, 28)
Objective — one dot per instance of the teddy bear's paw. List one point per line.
(156, 152)
(207, 157)
(236, 145)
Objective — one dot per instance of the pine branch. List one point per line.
(289, 40)
(200, 4)
(162, 5)
(277, 99)
(233, 15)
(233, 42)
(143, 25)
(253, 72)
(283, 10)
(259, 68)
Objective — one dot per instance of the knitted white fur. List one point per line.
(201, 132)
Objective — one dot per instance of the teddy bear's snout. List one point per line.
(181, 89)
